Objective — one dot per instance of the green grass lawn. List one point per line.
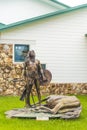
(8, 103)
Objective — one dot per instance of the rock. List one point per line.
(18, 86)
(11, 87)
(9, 92)
(1, 79)
(3, 55)
(1, 90)
(84, 91)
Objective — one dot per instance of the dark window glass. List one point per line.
(20, 52)
(43, 66)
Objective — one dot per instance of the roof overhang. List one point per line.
(42, 17)
(60, 3)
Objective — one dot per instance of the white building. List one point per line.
(58, 39)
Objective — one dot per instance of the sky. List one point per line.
(12, 15)
(73, 2)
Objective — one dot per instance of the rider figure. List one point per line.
(32, 71)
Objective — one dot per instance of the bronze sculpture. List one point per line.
(32, 73)
(54, 106)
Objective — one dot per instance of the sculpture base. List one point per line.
(31, 113)
(57, 106)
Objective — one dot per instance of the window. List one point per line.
(20, 51)
(85, 35)
(43, 66)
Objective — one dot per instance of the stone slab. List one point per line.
(29, 113)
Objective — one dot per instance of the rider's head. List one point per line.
(32, 54)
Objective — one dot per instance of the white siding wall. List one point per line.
(60, 43)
